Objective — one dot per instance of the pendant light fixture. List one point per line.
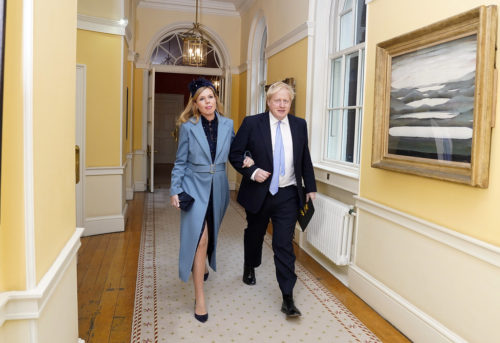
(194, 51)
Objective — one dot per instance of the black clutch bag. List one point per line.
(185, 201)
(305, 214)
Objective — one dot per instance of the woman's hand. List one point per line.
(174, 201)
(248, 162)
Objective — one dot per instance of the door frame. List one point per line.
(80, 129)
(149, 76)
(150, 129)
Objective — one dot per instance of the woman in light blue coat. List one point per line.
(205, 137)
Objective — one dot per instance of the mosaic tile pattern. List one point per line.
(164, 304)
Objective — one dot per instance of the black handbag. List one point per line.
(305, 214)
(185, 201)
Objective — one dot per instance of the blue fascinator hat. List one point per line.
(198, 83)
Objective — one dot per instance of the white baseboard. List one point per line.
(29, 304)
(105, 224)
(129, 194)
(140, 186)
(414, 323)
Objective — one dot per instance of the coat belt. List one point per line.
(210, 168)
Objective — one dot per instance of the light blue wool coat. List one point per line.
(194, 174)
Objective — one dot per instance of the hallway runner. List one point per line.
(237, 313)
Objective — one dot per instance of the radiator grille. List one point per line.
(330, 229)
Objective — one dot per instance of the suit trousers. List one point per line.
(281, 209)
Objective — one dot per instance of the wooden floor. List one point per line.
(107, 266)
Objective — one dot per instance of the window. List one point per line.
(261, 107)
(257, 66)
(169, 52)
(345, 98)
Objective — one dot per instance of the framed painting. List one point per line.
(2, 54)
(435, 91)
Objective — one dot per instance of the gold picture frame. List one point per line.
(434, 103)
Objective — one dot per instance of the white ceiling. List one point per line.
(222, 7)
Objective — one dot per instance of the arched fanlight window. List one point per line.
(169, 52)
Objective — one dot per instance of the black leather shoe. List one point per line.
(249, 275)
(288, 307)
(205, 276)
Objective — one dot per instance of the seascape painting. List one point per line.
(432, 101)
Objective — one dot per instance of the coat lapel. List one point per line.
(223, 132)
(265, 129)
(294, 133)
(200, 136)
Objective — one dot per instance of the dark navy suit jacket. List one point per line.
(254, 136)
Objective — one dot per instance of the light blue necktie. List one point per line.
(278, 161)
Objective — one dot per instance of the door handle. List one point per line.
(77, 164)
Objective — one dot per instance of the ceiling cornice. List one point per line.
(206, 6)
(116, 27)
(244, 5)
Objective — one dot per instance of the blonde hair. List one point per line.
(276, 87)
(191, 111)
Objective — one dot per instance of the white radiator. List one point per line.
(330, 229)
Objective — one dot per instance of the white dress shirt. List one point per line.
(289, 178)
(286, 135)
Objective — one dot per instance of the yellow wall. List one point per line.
(281, 19)
(126, 134)
(54, 128)
(291, 62)
(12, 254)
(101, 53)
(242, 97)
(235, 100)
(137, 117)
(111, 9)
(468, 210)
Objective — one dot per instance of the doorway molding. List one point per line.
(80, 130)
(257, 31)
(218, 44)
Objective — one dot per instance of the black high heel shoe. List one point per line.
(205, 276)
(200, 317)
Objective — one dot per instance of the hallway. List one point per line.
(107, 271)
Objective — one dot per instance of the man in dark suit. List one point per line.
(272, 187)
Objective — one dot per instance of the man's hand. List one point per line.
(311, 196)
(261, 175)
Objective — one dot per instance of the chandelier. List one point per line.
(194, 52)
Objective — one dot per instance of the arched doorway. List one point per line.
(167, 93)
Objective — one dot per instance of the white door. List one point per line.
(81, 72)
(168, 107)
(151, 130)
